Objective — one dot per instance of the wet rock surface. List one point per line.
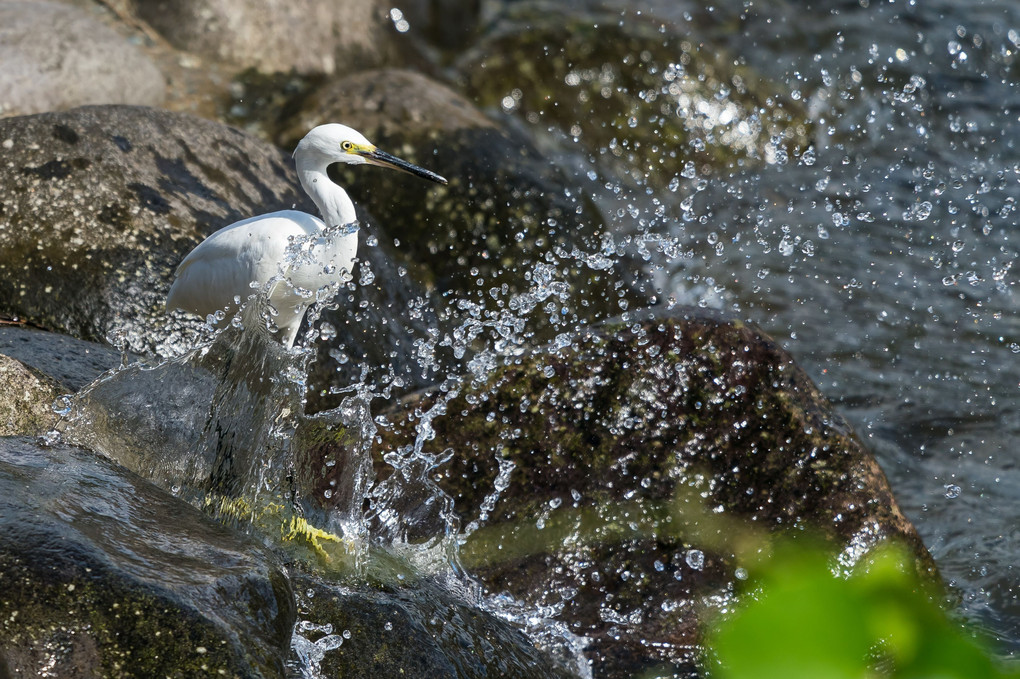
(622, 472)
(419, 629)
(70, 362)
(104, 574)
(99, 204)
(57, 57)
(26, 399)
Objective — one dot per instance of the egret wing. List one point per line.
(224, 266)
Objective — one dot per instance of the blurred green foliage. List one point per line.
(800, 620)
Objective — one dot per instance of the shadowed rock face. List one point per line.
(639, 463)
(102, 571)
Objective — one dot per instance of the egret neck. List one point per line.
(334, 204)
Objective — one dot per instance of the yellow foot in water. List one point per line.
(301, 530)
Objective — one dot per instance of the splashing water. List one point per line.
(224, 422)
(223, 426)
(309, 654)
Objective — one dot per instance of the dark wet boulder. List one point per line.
(621, 475)
(26, 399)
(307, 36)
(510, 224)
(640, 95)
(99, 204)
(57, 57)
(414, 629)
(104, 574)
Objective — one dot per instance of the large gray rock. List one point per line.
(26, 399)
(104, 574)
(56, 57)
(307, 36)
(99, 204)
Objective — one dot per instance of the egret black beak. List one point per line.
(383, 159)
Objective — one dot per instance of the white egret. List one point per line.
(225, 267)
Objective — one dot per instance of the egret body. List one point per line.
(297, 253)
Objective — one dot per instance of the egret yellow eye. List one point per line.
(346, 145)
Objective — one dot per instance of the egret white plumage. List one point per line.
(224, 267)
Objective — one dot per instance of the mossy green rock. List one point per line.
(624, 478)
(103, 574)
(636, 92)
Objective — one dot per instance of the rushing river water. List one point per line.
(882, 256)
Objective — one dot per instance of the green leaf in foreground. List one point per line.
(802, 621)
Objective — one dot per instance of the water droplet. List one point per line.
(62, 406)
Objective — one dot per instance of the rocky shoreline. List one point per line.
(606, 460)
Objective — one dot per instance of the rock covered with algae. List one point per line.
(622, 477)
(104, 574)
(637, 91)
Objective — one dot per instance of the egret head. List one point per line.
(335, 143)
